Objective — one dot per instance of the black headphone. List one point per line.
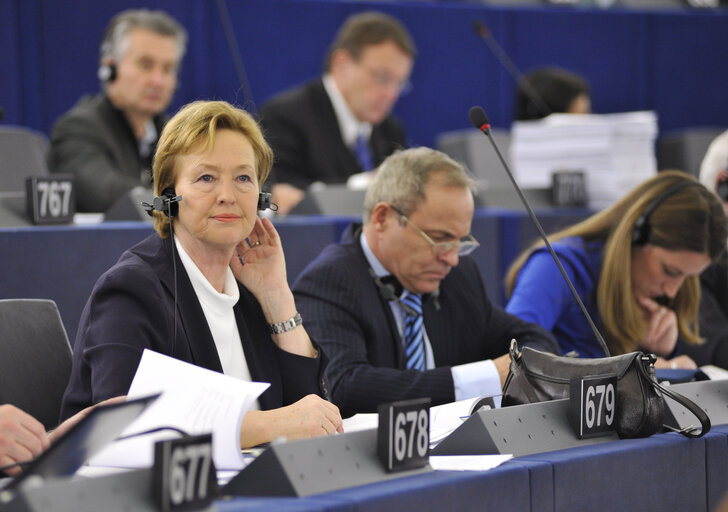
(107, 72)
(391, 289)
(641, 230)
(166, 203)
(264, 201)
(722, 189)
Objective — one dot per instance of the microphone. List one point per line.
(482, 31)
(2, 113)
(389, 293)
(480, 121)
(234, 48)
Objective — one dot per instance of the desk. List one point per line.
(665, 472)
(62, 263)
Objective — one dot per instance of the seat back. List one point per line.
(471, 147)
(35, 358)
(23, 154)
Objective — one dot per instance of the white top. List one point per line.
(218, 310)
(471, 380)
(351, 128)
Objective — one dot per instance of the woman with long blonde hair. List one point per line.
(635, 266)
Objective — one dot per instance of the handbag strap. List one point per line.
(682, 400)
(516, 372)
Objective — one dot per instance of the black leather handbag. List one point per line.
(539, 376)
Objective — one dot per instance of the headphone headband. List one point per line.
(641, 230)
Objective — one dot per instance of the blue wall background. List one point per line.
(669, 61)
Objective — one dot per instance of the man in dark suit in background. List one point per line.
(340, 124)
(366, 299)
(107, 141)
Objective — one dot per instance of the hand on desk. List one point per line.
(503, 365)
(676, 362)
(22, 437)
(311, 416)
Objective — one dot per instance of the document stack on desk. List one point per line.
(615, 151)
(194, 400)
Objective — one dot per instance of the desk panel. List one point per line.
(665, 472)
(62, 263)
(716, 457)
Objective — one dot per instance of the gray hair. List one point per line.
(715, 161)
(400, 180)
(159, 22)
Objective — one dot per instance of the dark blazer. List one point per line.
(301, 127)
(713, 316)
(94, 142)
(342, 307)
(132, 308)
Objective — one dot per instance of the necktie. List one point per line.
(414, 332)
(363, 153)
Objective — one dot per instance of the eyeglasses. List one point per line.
(384, 79)
(464, 247)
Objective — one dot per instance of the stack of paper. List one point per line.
(615, 151)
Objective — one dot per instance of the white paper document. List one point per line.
(467, 462)
(195, 400)
(444, 419)
(714, 372)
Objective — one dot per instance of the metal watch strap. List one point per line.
(287, 325)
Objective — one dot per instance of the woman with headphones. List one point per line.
(635, 265)
(209, 287)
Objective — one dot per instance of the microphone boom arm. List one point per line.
(480, 121)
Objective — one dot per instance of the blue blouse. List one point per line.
(542, 296)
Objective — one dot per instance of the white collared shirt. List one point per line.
(150, 136)
(471, 380)
(350, 127)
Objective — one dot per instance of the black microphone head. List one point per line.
(2, 113)
(480, 28)
(478, 118)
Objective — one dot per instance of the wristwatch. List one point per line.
(287, 325)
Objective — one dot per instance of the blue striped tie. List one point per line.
(414, 332)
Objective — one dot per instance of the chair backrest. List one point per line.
(35, 358)
(684, 149)
(470, 147)
(23, 153)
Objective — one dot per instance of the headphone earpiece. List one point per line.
(641, 229)
(167, 203)
(107, 72)
(722, 189)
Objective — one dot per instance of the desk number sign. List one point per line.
(593, 405)
(50, 199)
(403, 439)
(184, 473)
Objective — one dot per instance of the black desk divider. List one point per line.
(120, 492)
(313, 466)
(710, 395)
(519, 430)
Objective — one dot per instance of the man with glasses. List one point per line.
(397, 306)
(340, 124)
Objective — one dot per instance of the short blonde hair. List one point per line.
(193, 128)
